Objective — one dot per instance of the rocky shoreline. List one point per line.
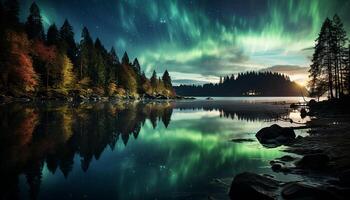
(322, 159)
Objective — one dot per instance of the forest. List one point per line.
(246, 84)
(330, 68)
(51, 64)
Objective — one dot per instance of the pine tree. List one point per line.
(328, 69)
(68, 43)
(114, 62)
(101, 64)
(154, 80)
(339, 50)
(167, 83)
(167, 80)
(34, 26)
(125, 59)
(137, 67)
(85, 53)
(53, 36)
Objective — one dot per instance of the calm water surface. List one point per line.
(134, 150)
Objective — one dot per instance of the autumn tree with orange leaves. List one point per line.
(18, 65)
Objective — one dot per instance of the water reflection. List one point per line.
(60, 151)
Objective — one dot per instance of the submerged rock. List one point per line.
(240, 140)
(253, 187)
(279, 166)
(275, 135)
(313, 161)
(297, 190)
(286, 158)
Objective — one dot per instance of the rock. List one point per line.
(312, 102)
(313, 161)
(275, 136)
(240, 140)
(276, 167)
(297, 190)
(286, 158)
(293, 106)
(253, 187)
(279, 166)
(303, 113)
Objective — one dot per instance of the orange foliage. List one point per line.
(20, 63)
(45, 53)
(25, 72)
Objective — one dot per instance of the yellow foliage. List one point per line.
(67, 73)
(120, 92)
(112, 89)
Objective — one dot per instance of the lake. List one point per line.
(135, 150)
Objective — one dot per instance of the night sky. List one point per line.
(199, 40)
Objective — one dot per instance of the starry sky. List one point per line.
(200, 40)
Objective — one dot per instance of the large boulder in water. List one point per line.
(275, 135)
(253, 187)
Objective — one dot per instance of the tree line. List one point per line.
(38, 63)
(330, 68)
(246, 84)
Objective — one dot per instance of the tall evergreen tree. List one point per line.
(339, 50)
(68, 42)
(34, 26)
(137, 66)
(114, 63)
(85, 53)
(167, 80)
(125, 59)
(154, 79)
(53, 36)
(101, 64)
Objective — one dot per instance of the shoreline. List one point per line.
(321, 159)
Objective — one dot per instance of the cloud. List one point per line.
(288, 69)
(296, 73)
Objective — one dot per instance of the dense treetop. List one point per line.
(330, 68)
(35, 63)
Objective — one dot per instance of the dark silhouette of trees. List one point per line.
(246, 84)
(11, 10)
(34, 26)
(330, 63)
(125, 59)
(85, 53)
(68, 44)
(53, 36)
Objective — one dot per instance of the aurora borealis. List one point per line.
(199, 40)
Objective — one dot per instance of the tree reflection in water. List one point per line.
(52, 134)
